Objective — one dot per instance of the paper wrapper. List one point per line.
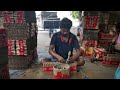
(73, 66)
(48, 66)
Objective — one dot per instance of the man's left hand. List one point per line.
(72, 59)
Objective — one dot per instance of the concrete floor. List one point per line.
(91, 70)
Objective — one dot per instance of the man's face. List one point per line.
(65, 32)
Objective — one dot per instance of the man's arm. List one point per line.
(75, 56)
(51, 49)
(76, 46)
(54, 54)
(114, 39)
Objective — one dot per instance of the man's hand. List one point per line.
(72, 59)
(113, 40)
(61, 59)
(54, 54)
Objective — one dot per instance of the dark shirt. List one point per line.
(62, 48)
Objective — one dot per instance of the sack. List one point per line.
(117, 73)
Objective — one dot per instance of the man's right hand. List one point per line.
(61, 59)
(113, 40)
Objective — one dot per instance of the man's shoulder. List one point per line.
(73, 35)
(57, 34)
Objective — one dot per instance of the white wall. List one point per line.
(62, 14)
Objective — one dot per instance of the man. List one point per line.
(63, 42)
(115, 41)
(117, 33)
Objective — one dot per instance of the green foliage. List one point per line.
(75, 14)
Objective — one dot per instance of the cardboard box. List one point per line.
(91, 22)
(20, 62)
(104, 41)
(106, 36)
(106, 62)
(48, 66)
(112, 57)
